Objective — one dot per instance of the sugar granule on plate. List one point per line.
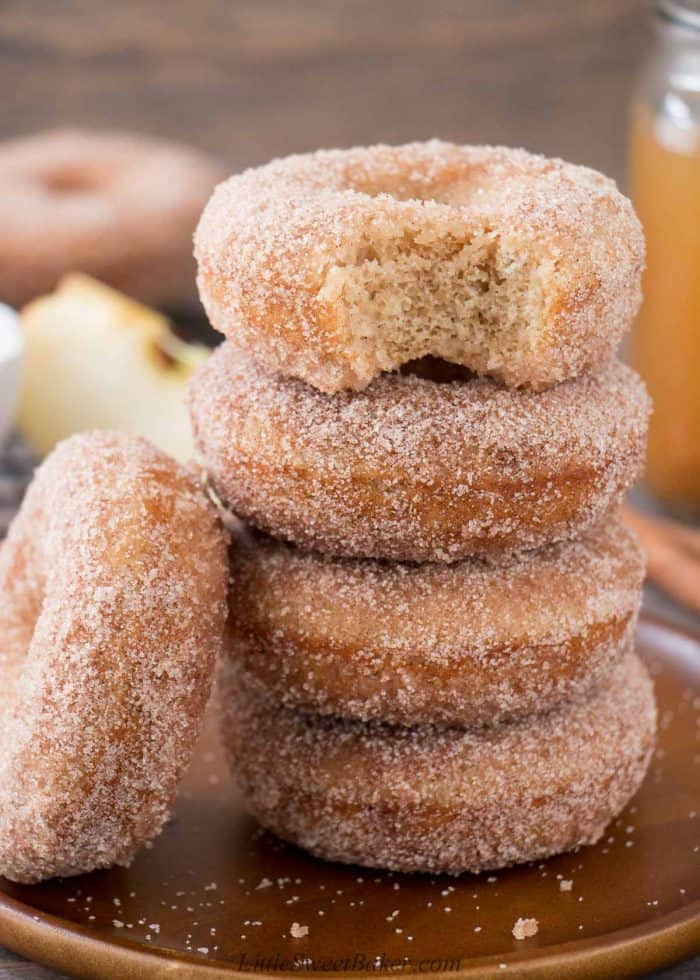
(297, 931)
(525, 928)
(565, 885)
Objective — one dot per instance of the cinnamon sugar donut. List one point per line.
(414, 470)
(442, 799)
(334, 266)
(120, 207)
(466, 644)
(112, 607)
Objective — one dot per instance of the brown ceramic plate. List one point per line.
(215, 897)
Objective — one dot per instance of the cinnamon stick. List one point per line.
(673, 555)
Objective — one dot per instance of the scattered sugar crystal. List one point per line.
(525, 928)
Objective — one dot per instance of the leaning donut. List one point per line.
(335, 266)
(467, 644)
(442, 799)
(112, 606)
(120, 207)
(415, 470)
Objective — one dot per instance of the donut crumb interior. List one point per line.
(465, 299)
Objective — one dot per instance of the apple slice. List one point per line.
(96, 359)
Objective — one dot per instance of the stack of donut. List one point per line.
(418, 414)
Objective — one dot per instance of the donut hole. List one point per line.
(437, 370)
(467, 299)
(453, 186)
(71, 180)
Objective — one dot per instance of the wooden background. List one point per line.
(258, 78)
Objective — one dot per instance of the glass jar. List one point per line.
(665, 187)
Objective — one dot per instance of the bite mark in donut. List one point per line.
(338, 265)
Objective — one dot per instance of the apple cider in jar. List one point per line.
(665, 187)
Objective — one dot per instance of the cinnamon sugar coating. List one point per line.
(337, 265)
(466, 644)
(112, 606)
(415, 470)
(118, 206)
(442, 799)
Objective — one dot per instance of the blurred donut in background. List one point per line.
(121, 207)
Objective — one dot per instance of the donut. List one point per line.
(412, 469)
(112, 604)
(335, 266)
(467, 644)
(444, 799)
(118, 206)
